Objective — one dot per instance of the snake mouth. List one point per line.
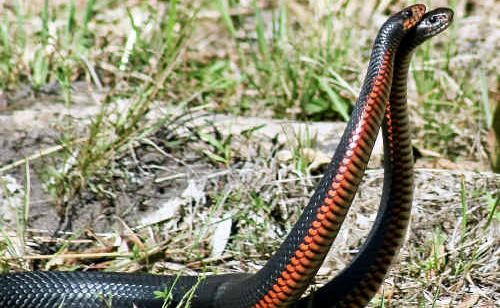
(413, 15)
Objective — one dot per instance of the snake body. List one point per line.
(291, 269)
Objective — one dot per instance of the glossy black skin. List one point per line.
(38, 289)
(357, 284)
(98, 289)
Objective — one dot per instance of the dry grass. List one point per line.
(151, 183)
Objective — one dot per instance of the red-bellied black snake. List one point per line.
(291, 269)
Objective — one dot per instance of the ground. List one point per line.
(195, 151)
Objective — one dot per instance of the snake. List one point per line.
(285, 277)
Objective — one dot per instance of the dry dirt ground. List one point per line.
(168, 199)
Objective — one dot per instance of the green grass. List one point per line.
(154, 70)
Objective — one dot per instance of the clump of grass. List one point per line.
(222, 151)
(282, 74)
(113, 129)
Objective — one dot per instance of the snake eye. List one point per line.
(433, 19)
(407, 13)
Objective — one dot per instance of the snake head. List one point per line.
(434, 22)
(410, 16)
